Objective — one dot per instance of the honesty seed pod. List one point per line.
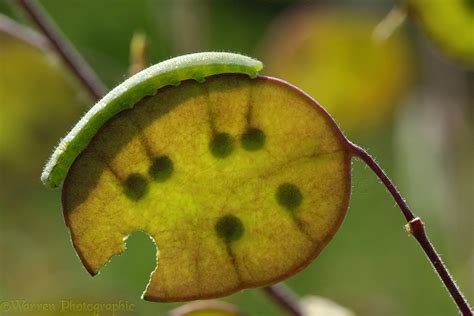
(241, 180)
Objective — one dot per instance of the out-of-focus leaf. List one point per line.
(333, 56)
(450, 24)
(38, 99)
(206, 308)
(241, 182)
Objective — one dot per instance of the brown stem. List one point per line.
(416, 228)
(67, 52)
(285, 298)
(279, 293)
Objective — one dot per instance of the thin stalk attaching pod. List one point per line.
(416, 228)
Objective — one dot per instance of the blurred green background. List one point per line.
(400, 97)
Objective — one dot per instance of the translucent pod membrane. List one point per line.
(240, 181)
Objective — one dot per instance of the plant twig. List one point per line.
(279, 293)
(285, 298)
(67, 52)
(416, 227)
(27, 35)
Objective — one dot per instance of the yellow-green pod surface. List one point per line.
(240, 182)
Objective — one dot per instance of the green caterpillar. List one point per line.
(170, 72)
